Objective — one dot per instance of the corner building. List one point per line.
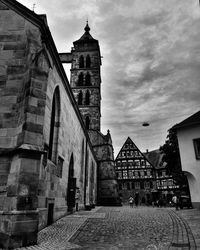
(47, 155)
(135, 174)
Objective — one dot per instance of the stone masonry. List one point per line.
(45, 151)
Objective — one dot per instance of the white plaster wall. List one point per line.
(188, 159)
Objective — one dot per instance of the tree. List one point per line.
(171, 153)
(172, 157)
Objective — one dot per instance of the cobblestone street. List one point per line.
(115, 228)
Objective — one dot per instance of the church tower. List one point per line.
(86, 86)
(86, 79)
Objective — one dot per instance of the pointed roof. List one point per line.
(190, 121)
(86, 37)
(129, 141)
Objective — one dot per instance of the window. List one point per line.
(88, 61)
(137, 185)
(82, 162)
(54, 126)
(80, 98)
(87, 98)
(119, 175)
(147, 185)
(87, 122)
(80, 79)
(125, 174)
(60, 167)
(197, 148)
(87, 80)
(81, 62)
(148, 172)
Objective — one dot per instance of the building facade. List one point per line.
(165, 183)
(188, 133)
(47, 155)
(135, 174)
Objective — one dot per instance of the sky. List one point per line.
(150, 60)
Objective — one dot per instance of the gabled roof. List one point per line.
(155, 157)
(190, 121)
(129, 141)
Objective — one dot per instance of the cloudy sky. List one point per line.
(150, 65)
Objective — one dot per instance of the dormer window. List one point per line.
(81, 62)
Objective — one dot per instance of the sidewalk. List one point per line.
(192, 217)
(57, 235)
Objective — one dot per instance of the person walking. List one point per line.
(131, 201)
(175, 201)
(136, 199)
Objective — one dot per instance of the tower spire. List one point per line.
(87, 28)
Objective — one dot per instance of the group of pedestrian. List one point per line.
(134, 200)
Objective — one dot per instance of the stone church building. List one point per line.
(51, 146)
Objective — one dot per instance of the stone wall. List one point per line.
(31, 183)
(107, 184)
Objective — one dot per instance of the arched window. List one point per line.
(80, 79)
(87, 122)
(87, 98)
(54, 126)
(82, 162)
(88, 61)
(81, 62)
(88, 80)
(80, 98)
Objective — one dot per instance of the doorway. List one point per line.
(50, 213)
(71, 190)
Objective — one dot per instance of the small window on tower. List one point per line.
(80, 79)
(88, 80)
(87, 98)
(87, 122)
(80, 98)
(81, 62)
(88, 61)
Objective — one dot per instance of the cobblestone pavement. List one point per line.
(135, 228)
(115, 228)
